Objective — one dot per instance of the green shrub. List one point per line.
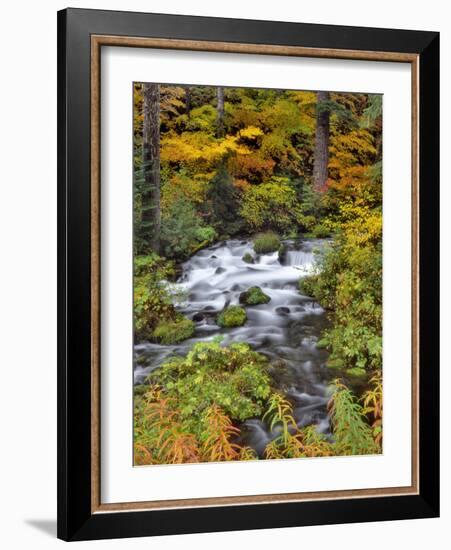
(248, 258)
(270, 205)
(308, 286)
(349, 282)
(232, 316)
(152, 294)
(266, 242)
(152, 265)
(189, 410)
(320, 231)
(172, 332)
(206, 234)
(254, 296)
(234, 378)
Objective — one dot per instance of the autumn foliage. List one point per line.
(246, 168)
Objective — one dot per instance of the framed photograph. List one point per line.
(248, 274)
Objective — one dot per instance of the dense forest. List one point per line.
(232, 181)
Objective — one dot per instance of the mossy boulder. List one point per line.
(232, 316)
(335, 363)
(356, 372)
(248, 258)
(283, 253)
(254, 296)
(173, 332)
(267, 242)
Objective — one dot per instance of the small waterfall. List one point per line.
(300, 258)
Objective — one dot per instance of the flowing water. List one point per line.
(285, 330)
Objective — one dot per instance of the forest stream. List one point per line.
(285, 330)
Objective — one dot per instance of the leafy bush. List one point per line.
(308, 287)
(232, 316)
(152, 265)
(151, 304)
(187, 413)
(320, 231)
(206, 234)
(266, 243)
(172, 332)
(235, 378)
(152, 300)
(272, 204)
(254, 296)
(349, 282)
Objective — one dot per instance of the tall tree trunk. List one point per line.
(321, 155)
(151, 215)
(220, 130)
(188, 101)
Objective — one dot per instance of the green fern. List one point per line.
(353, 435)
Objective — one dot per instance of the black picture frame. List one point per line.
(75, 518)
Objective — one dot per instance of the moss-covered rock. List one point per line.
(254, 296)
(265, 243)
(172, 332)
(283, 253)
(232, 316)
(335, 363)
(248, 258)
(356, 372)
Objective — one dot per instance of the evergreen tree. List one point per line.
(223, 199)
